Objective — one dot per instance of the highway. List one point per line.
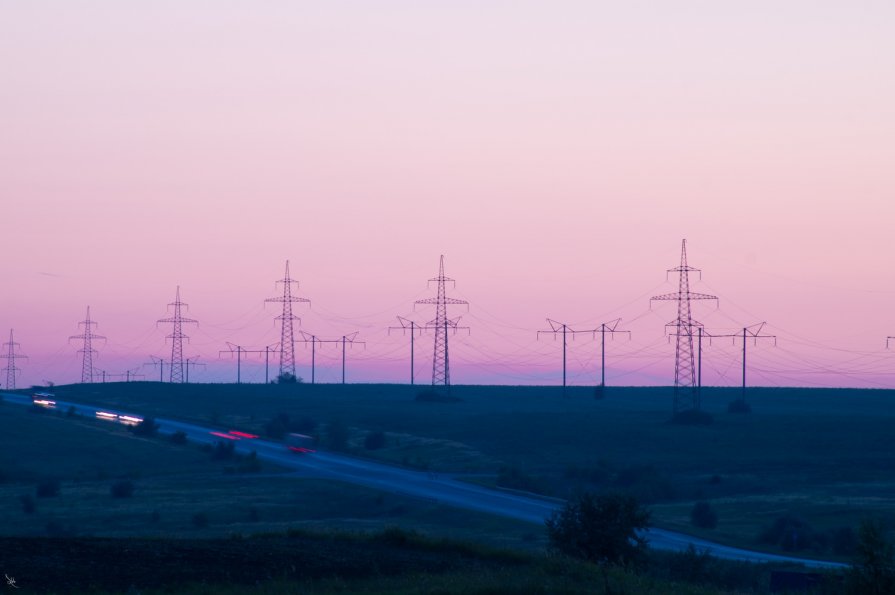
(432, 487)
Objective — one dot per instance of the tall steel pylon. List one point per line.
(441, 371)
(11, 356)
(287, 336)
(87, 350)
(686, 391)
(177, 337)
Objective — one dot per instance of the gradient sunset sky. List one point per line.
(555, 152)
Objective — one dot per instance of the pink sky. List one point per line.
(556, 154)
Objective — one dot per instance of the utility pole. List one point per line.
(413, 327)
(314, 339)
(686, 393)
(441, 371)
(559, 328)
(160, 362)
(287, 338)
(177, 336)
(191, 361)
(240, 350)
(87, 351)
(607, 327)
(748, 332)
(11, 356)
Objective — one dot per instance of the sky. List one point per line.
(555, 153)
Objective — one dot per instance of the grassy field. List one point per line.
(822, 456)
(180, 491)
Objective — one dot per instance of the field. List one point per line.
(822, 459)
(181, 491)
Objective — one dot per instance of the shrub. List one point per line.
(873, 570)
(375, 440)
(515, 479)
(29, 506)
(790, 533)
(693, 417)
(703, 515)
(200, 520)
(146, 428)
(600, 528)
(222, 451)
(337, 435)
(122, 489)
(179, 437)
(48, 488)
(288, 378)
(739, 406)
(844, 541)
(250, 463)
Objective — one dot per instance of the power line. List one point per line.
(287, 337)
(560, 328)
(441, 371)
(413, 327)
(314, 339)
(87, 351)
(11, 356)
(177, 336)
(686, 391)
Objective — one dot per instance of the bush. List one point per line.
(287, 378)
(845, 541)
(146, 428)
(337, 435)
(250, 463)
(222, 451)
(29, 506)
(873, 570)
(600, 528)
(179, 437)
(693, 417)
(122, 489)
(48, 488)
(702, 515)
(792, 534)
(375, 440)
(739, 406)
(514, 479)
(200, 520)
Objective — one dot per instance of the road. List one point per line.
(429, 486)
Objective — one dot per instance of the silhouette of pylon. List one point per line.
(87, 350)
(287, 335)
(11, 356)
(177, 336)
(686, 391)
(441, 370)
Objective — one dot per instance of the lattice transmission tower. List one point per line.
(87, 351)
(686, 391)
(11, 356)
(177, 336)
(287, 336)
(441, 371)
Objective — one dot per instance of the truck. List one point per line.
(300, 443)
(46, 400)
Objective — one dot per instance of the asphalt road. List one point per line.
(429, 486)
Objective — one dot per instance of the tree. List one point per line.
(146, 428)
(703, 515)
(873, 571)
(600, 528)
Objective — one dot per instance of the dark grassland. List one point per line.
(196, 524)
(821, 458)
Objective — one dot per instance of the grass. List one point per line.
(174, 483)
(825, 455)
(392, 561)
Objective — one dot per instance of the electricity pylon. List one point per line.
(177, 336)
(413, 327)
(559, 328)
(87, 350)
(441, 371)
(287, 338)
(11, 356)
(686, 392)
